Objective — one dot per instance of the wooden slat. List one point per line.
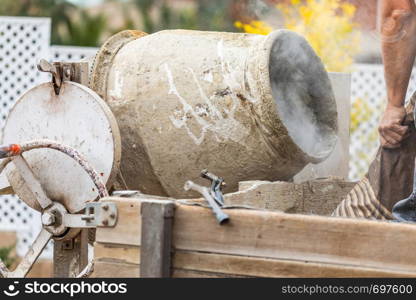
(67, 262)
(120, 253)
(128, 228)
(277, 235)
(156, 243)
(231, 265)
(70, 256)
(179, 273)
(43, 268)
(110, 269)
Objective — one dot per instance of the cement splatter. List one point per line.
(224, 127)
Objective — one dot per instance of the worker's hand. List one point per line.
(392, 132)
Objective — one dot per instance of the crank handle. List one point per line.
(98, 214)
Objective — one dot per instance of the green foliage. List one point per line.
(5, 256)
(58, 10)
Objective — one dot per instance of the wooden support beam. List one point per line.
(358, 243)
(220, 265)
(156, 238)
(128, 230)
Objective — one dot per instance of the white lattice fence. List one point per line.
(368, 98)
(23, 41)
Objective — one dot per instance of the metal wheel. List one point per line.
(56, 220)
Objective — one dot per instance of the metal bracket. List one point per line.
(213, 195)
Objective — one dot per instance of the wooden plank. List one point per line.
(106, 269)
(156, 243)
(8, 239)
(43, 268)
(277, 235)
(79, 71)
(128, 228)
(70, 261)
(121, 253)
(318, 197)
(337, 164)
(231, 265)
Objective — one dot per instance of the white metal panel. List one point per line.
(71, 53)
(368, 92)
(23, 41)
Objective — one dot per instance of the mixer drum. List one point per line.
(245, 107)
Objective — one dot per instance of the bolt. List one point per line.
(112, 216)
(48, 219)
(105, 207)
(105, 222)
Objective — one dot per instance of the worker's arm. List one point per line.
(398, 33)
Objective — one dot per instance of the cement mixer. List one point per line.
(160, 108)
(247, 107)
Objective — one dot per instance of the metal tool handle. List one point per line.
(222, 217)
(29, 259)
(13, 153)
(405, 210)
(14, 150)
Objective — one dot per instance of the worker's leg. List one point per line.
(389, 180)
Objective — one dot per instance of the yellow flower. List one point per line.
(348, 9)
(238, 24)
(326, 24)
